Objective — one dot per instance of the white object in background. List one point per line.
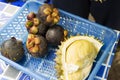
(11, 73)
(2, 68)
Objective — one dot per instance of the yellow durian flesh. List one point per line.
(80, 52)
(76, 56)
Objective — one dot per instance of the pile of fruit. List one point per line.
(43, 30)
(75, 56)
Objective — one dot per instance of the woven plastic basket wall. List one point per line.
(43, 68)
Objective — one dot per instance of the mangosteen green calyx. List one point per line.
(12, 49)
(56, 34)
(36, 45)
(48, 14)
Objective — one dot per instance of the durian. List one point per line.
(75, 56)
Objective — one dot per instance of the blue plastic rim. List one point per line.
(43, 68)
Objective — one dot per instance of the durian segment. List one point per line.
(76, 56)
(81, 53)
(91, 39)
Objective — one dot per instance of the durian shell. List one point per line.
(60, 56)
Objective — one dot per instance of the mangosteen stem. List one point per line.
(13, 38)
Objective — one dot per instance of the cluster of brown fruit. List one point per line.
(43, 30)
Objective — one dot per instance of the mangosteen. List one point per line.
(42, 29)
(31, 15)
(12, 49)
(32, 25)
(48, 14)
(36, 45)
(55, 35)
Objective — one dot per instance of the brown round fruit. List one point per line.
(36, 45)
(48, 14)
(55, 35)
(42, 29)
(12, 49)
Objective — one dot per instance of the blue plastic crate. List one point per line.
(43, 68)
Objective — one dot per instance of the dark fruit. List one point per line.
(12, 49)
(36, 45)
(31, 15)
(48, 14)
(42, 29)
(55, 35)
